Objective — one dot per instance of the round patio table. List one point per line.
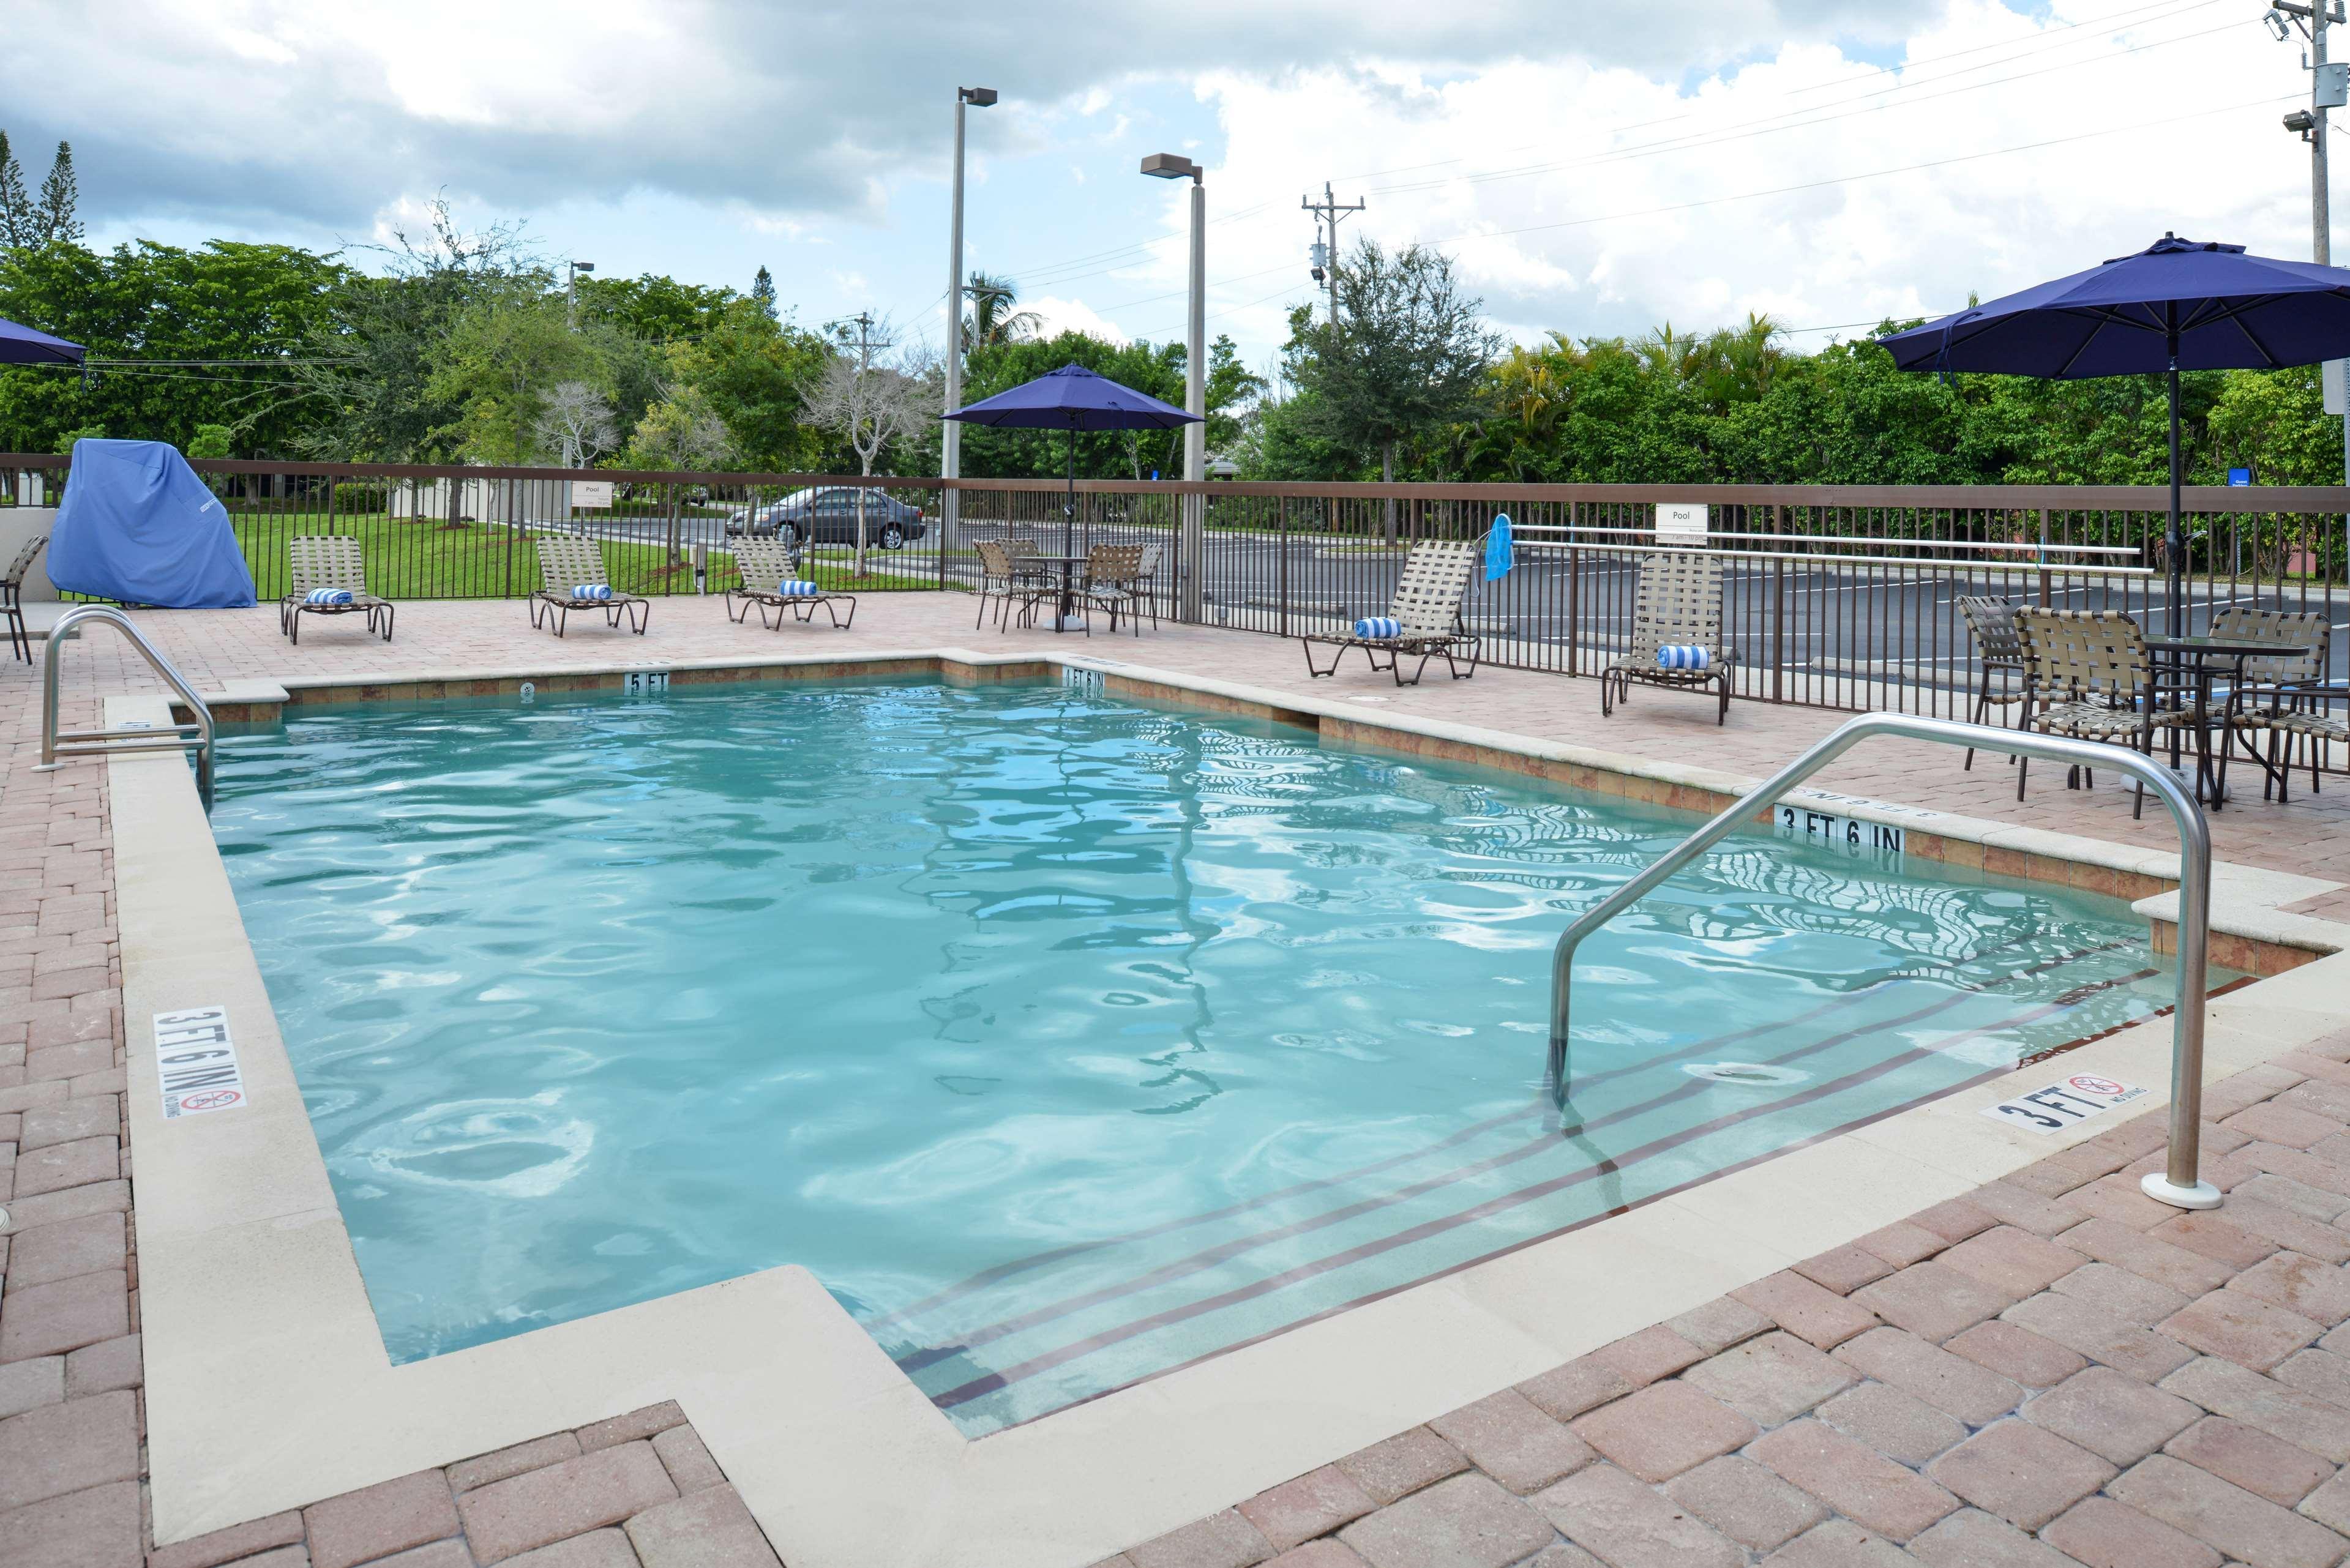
(1067, 564)
(2197, 662)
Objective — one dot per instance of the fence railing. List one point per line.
(1837, 596)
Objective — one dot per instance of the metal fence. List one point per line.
(1834, 596)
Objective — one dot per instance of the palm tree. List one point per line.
(992, 320)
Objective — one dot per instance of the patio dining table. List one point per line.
(2185, 664)
(1067, 564)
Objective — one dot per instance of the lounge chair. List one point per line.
(329, 574)
(12, 596)
(572, 574)
(771, 580)
(1676, 633)
(1423, 620)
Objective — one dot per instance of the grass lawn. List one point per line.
(407, 559)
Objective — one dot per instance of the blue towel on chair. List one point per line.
(798, 588)
(328, 596)
(591, 590)
(1377, 627)
(1682, 656)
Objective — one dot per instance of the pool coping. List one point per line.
(267, 1385)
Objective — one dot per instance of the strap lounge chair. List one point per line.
(571, 571)
(12, 596)
(1423, 620)
(771, 580)
(329, 574)
(1677, 609)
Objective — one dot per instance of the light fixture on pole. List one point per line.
(950, 433)
(1174, 166)
(571, 292)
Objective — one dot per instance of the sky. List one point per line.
(1593, 170)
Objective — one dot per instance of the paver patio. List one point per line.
(2054, 1369)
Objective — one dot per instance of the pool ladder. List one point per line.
(2179, 1185)
(195, 736)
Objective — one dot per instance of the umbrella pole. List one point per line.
(1069, 522)
(2174, 549)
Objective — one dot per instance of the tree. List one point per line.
(575, 425)
(763, 292)
(372, 361)
(992, 320)
(757, 371)
(15, 206)
(682, 431)
(1407, 357)
(503, 357)
(54, 212)
(871, 405)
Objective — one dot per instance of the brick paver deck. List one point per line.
(2055, 1370)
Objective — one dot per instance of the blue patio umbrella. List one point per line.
(1074, 398)
(2177, 305)
(21, 345)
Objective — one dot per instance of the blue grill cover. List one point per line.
(137, 524)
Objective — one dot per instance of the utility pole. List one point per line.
(1327, 213)
(2329, 87)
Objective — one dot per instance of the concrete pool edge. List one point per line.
(268, 1387)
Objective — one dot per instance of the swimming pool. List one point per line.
(1066, 1040)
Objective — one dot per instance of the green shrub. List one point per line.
(362, 496)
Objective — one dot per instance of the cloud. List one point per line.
(1072, 315)
(287, 110)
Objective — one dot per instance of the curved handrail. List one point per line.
(2179, 1185)
(107, 743)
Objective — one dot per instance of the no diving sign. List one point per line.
(195, 1062)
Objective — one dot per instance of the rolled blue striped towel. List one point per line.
(1377, 627)
(1682, 656)
(591, 590)
(328, 596)
(798, 588)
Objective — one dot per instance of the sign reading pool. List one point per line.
(1066, 1040)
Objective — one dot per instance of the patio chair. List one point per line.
(571, 573)
(12, 596)
(1677, 639)
(1114, 582)
(1004, 579)
(1998, 651)
(1153, 554)
(1423, 620)
(2285, 694)
(2088, 670)
(769, 571)
(328, 576)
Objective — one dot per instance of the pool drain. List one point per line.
(1753, 1073)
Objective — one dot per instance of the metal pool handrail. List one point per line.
(110, 743)
(2179, 1185)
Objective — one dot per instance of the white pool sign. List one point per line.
(2065, 1101)
(195, 1062)
(1848, 833)
(1680, 525)
(594, 495)
(644, 682)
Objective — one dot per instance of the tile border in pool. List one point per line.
(267, 1385)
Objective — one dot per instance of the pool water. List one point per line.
(1066, 1040)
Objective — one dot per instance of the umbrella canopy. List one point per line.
(1074, 398)
(21, 345)
(2177, 305)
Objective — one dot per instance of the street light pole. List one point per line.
(571, 291)
(951, 431)
(1191, 598)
